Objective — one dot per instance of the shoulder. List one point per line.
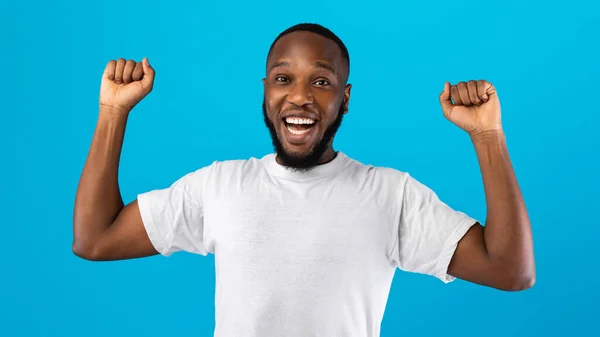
(239, 165)
(384, 183)
(229, 168)
(385, 174)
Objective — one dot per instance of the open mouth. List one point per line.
(299, 125)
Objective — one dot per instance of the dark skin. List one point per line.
(499, 255)
(306, 75)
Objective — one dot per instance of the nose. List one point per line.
(300, 94)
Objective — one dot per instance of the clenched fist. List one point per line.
(125, 84)
(476, 108)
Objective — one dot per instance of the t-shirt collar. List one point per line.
(328, 169)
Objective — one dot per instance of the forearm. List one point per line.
(507, 232)
(98, 200)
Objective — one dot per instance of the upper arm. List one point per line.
(161, 221)
(472, 263)
(126, 238)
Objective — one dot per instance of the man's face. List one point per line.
(305, 97)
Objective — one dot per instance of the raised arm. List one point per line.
(499, 255)
(103, 228)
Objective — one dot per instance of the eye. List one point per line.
(281, 79)
(322, 82)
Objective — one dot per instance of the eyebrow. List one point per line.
(324, 65)
(317, 64)
(280, 64)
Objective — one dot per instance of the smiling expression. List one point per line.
(306, 96)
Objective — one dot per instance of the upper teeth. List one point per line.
(297, 120)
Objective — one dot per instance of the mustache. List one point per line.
(293, 108)
(297, 109)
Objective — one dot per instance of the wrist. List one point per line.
(488, 139)
(113, 113)
(488, 135)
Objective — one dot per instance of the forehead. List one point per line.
(300, 47)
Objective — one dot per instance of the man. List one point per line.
(306, 240)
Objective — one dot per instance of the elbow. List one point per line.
(85, 243)
(522, 283)
(520, 280)
(85, 251)
(515, 273)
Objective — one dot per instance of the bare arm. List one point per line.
(103, 229)
(499, 255)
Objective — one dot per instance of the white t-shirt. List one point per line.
(304, 254)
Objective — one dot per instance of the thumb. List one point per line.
(148, 79)
(445, 100)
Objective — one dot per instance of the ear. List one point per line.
(264, 80)
(346, 97)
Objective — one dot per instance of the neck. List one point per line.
(325, 158)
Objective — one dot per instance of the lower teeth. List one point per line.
(298, 132)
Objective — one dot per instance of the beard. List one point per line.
(303, 161)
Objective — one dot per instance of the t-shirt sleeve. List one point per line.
(428, 231)
(174, 217)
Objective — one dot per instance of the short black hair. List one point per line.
(317, 29)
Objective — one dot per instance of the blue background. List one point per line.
(209, 57)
